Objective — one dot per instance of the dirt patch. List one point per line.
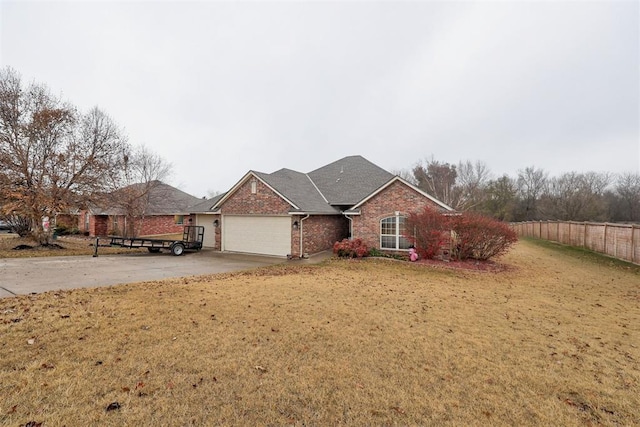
(13, 246)
(23, 247)
(51, 246)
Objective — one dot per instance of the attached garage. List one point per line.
(265, 235)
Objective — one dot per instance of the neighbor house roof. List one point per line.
(163, 199)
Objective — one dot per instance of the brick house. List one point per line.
(289, 213)
(162, 209)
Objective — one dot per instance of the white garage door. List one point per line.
(266, 235)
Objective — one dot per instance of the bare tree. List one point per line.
(471, 185)
(437, 179)
(577, 196)
(627, 190)
(140, 179)
(406, 174)
(51, 157)
(531, 185)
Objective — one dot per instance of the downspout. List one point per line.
(350, 226)
(301, 251)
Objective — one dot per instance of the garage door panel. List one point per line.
(266, 235)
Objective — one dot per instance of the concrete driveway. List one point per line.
(20, 276)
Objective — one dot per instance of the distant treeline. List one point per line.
(531, 195)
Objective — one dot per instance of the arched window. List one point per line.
(392, 232)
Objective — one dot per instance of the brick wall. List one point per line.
(319, 232)
(159, 224)
(103, 225)
(396, 197)
(263, 202)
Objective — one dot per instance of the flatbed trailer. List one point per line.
(192, 237)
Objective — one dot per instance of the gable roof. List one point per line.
(345, 183)
(408, 184)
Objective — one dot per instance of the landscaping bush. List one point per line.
(350, 248)
(430, 230)
(480, 237)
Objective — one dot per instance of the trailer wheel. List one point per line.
(154, 250)
(177, 249)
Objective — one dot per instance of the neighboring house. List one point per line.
(162, 209)
(289, 213)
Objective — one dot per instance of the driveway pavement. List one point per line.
(19, 276)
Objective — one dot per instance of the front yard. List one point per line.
(552, 340)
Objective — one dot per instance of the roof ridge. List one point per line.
(317, 189)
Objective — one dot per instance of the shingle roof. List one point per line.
(298, 188)
(206, 205)
(166, 200)
(163, 199)
(347, 181)
(338, 185)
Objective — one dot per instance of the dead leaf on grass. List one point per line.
(261, 369)
(33, 424)
(47, 366)
(113, 406)
(398, 410)
(12, 410)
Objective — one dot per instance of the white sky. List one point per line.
(219, 88)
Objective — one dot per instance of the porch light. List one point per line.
(295, 225)
(216, 223)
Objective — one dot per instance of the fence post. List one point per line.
(633, 243)
(584, 237)
(604, 249)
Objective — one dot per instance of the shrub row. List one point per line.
(469, 235)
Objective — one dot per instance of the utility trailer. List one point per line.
(192, 238)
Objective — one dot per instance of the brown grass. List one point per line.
(70, 246)
(551, 341)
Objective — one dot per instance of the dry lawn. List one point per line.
(68, 246)
(554, 340)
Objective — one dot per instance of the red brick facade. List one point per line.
(110, 225)
(263, 202)
(320, 232)
(397, 197)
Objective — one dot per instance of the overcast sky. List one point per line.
(219, 88)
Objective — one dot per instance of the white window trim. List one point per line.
(397, 236)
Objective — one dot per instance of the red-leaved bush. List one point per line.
(430, 229)
(471, 235)
(479, 237)
(350, 248)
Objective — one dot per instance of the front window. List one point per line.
(392, 232)
(178, 219)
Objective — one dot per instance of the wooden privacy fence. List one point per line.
(620, 241)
